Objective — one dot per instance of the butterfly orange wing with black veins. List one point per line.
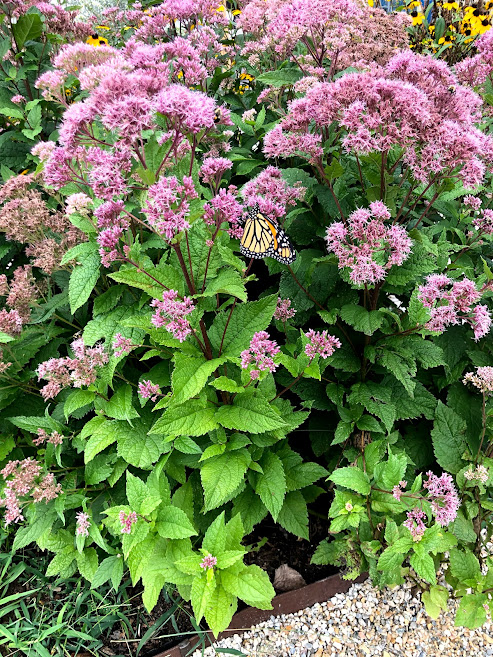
(263, 238)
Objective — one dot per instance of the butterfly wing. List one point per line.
(263, 238)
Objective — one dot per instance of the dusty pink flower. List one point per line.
(168, 205)
(149, 390)
(260, 354)
(77, 203)
(18, 98)
(444, 498)
(484, 223)
(127, 520)
(208, 562)
(10, 322)
(283, 310)
(320, 343)
(272, 193)
(43, 150)
(224, 208)
(54, 438)
(213, 168)
(472, 201)
(122, 345)
(186, 111)
(83, 524)
(399, 489)
(480, 473)
(171, 313)
(415, 523)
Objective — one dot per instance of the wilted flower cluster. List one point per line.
(480, 473)
(366, 246)
(171, 313)
(77, 372)
(83, 524)
(452, 302)
(260, 354)
(482, 379)
(25, 483)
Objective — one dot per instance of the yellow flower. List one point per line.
(221, 8)
(449, 6)
(96, 40)
(237, 12)
(23, 173)
(371, 3)
(417, 17)
(102, 27)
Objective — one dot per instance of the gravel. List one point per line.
(364, 622)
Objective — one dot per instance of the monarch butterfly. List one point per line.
(263, 237)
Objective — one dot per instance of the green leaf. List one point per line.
(229, 282)
(189, 419)
(83, 279)
(106, 571)
(435, 600)
(221, 608)
(32, 423)
(163, 273)
(104, 435)
(77, 399)
(471, 612)
(403, 369)
(27, 28)
(221, 476)
(61, 562)
(280, 78)
(271, 485)
(252, 585)
(448, 438)
(87, 563)
(120, 406)
(424, 566)
(249, 414)
(464, 565)
(201, 593)
(186, 445)
(174, 523)
(246, 319)
(137, 446)
(228, 385)
(352, 478)
(136, 492)
(43, 521)
(190, 375)
(362, 320)
(294, 514)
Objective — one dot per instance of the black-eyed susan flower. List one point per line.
(96, 40)
(417, 17)
(451, 6)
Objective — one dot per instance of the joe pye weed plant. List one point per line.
(165, 375)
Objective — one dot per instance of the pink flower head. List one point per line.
(260, 354)
(484, 223)
(482, 379)
(170, 313)
(283, 310)
(399, 489)
(224, 208)
(320, 343)
(127, 520)
(149, 390)
(168, 205)
(83, 524)
(186, 111)
(18, 98)
(452, 301)
(213, 168)
(472, 201)
(415, 523)
(480, 473)
(367, 247)
(444, 498)
(272, 193)
(77, 203)
(208, 562)
(10, 322)
(122, 345)
(55, 438)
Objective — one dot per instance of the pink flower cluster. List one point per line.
(480, 473)
(283, 310)
(171, 313)
(482, 379)
(212, 170)
(272, 193)
(77, 372)
(260, 353)
(83, 524)
(405, 104)
(208, 561)
(112, 227)
(24, 479)
(122, 345)
(127, 520)
(54, 438)
(320, 343)
(224, 208)
(444, 498)
(451, 302)
(399, 489)
(367, 246)
(168, 205)
(484, 223)
(415, 523)
(149, 390)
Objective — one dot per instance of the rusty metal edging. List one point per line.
(285, 603)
